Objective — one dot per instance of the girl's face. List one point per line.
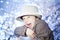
(29, 21)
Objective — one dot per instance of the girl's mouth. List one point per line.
(29, 25)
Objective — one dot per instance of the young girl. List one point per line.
(34, 27)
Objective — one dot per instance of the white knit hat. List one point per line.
(29, 10)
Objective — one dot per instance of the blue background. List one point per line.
(10, 9)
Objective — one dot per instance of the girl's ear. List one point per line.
(37, 19)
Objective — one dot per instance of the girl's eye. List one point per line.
(23, 18)
(28, 17)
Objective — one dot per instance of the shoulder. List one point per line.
(42, 22)
(42, 25)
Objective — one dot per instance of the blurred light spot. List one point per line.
(1, 9)
(1, 1)
(7, 2)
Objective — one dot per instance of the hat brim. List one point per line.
(20, 17)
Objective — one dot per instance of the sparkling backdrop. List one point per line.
(10, 9)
